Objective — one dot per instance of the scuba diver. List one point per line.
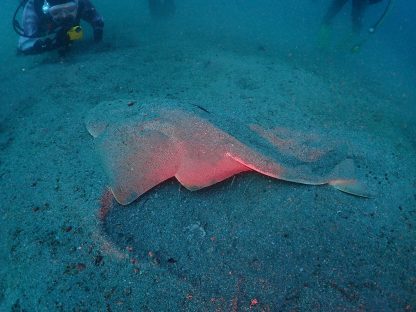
(161, 8)
(54, 24)
(358, 8)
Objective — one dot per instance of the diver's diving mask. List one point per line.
(61, 12)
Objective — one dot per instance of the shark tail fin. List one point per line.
(341, 179)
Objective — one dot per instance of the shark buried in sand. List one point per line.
(144, 144)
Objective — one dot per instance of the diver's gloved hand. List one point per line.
(98, 27)
(98, 34)
(42, 45)
(62, 39)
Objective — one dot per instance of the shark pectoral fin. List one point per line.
(123, 196)
(342, 179)
(136, 160)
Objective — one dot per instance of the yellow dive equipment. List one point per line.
(75, 33)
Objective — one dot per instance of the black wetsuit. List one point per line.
(43, 34)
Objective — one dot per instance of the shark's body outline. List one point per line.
(144, 144)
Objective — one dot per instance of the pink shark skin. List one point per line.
(142, 145)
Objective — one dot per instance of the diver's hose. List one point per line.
(381, 18)
(355, 48)
(16, 25)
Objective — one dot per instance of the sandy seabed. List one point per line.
(247, 244)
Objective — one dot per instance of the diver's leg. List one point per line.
(333, 10)
(358, 7)
(325, 33)
(154, 7)
(170, 7)
(161, 8)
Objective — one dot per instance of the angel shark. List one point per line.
(142, 144)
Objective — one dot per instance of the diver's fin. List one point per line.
(325, 37)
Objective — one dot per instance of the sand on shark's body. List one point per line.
(143, 144)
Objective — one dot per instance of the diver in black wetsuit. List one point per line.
(358, 8)
(54, 24)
